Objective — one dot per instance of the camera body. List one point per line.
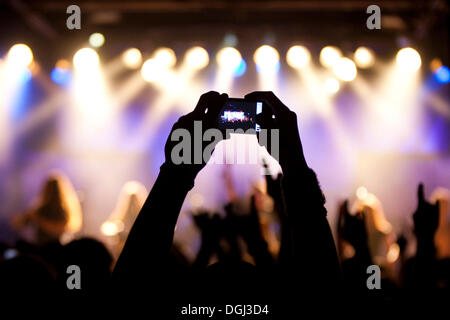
(240, 114)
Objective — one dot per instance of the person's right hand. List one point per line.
(277, 116)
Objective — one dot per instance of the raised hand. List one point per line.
(351, 228)
(188, 156)
(277, 116)
(426, 217)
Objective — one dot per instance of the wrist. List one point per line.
(179, 174)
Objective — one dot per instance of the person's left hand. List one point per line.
(185, 149)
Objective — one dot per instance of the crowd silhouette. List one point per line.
(281, 251)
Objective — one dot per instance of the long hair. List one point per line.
(58, 193)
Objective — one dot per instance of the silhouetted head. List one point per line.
(93, 259)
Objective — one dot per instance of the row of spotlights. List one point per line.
(266, 58)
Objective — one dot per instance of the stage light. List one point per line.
(230, 40)
(408, 59)
(20, 55)
(267, 59)
(111, 228)
(442, 75)
(361, 193)
(63, 64)
(435, 64)
(298, 57)
(229, 59)
(364, 57)
(132, 58)
(152, 70)
(197, 58)
(166, 57)
(96, 40)
(332, 85)
(241, 69)
(345, 69)
(61, 75)
(86, 59)
(329, 56)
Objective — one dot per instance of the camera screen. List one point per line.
(240, 114)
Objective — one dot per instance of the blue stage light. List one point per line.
(61, 76)
(442, 74)
(241, 69)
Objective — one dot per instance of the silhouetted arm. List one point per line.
(144, 255)
(151, 236)
(313, 255)
(426, 221)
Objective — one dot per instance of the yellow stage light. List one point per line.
(166, 57)
(197, 58)
(86, 59)
(132, 58)
(332, 85)
(345, 69)
(229, 59)
(267, 59)
(20, 55)
(364, 57)
(298, 57)
(329, 56)
(408, 59)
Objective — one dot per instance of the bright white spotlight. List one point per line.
(132, 58)
(332, 86)
(298, 57)
(152, 70)
(20, 55)
(197, 58)
(345, 69)
(96, 40)
(329, 56)
(364, 57)
(166, 57)
(86, 59)
(267, 59)
(229, 59)
(408, 59)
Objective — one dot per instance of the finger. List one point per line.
(420, 193)
(270, 99)
(205, 100)
(215, 106)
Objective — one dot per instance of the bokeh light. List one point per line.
(166, 57)
(197, 58)
(298, 57)
(85, 59)
(442, 74)
(345, 69)
(332, 85)
(364, 57)
(329, 56)
(132, 58)
(20, 55)
(361, 193)
(267, 59)
(408, 59)
(229, 58)
(96, 40)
